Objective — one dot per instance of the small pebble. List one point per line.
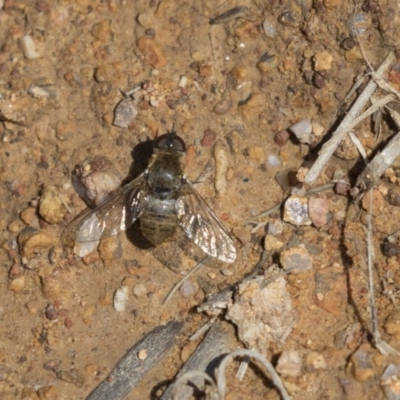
(271, 243)
(303, 131)
(378, 202)
(102, 31)
(28, 47)
(314, 361)
(65, 130)
(296, 211)
(242, 233)
(256, 153)
(187, 289)
(51, 206)
(289, 363)
(223, 106)
(140, 290)
(121, 298)
(281, 137)
(318, 211)
(361, 363)
(191, 155)
(71, 376)
(17, 284)
(33, 307)
(142, 355)
(146, 19)
(269, 26)
(47, 393)
(323, 61)
(151, 52)
(221, 158)
(124, 113)
(274, 228)
(234, 141)
(274, 161)
(28, 215)
(31, 241)
(208, 138)
(331, 4)
(95, 179)
(393, 196)
(296, 259)
(390, 381)
(392, 323)
(15, 226)
(51, 312)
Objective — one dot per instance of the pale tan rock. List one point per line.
(323, 61)
(51, 207)
(151, 52)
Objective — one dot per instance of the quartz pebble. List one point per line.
(303, 131)
(296, 211)
(121, 296)
(28, 47)
(187, 289)
(289, 363)
(124, 113)
(296, 259)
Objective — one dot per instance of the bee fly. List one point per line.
(163, 200)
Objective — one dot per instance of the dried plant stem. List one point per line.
(187, 276)
(253, 354)
(347, 123)
(381, 345)
(383, 160)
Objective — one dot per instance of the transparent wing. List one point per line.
(118, 211)
(202, 226)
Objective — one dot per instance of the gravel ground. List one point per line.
(254, 89)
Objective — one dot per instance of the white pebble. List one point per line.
(139, 290)
(303, 131)
(121, 298)
(183, 82)
(221, 167)
(28, 47)
(274, 160)
(187, 289)
(269, 27)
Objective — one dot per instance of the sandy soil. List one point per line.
(236, 84)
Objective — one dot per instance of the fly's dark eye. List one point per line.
(178, 144)
(170, 141)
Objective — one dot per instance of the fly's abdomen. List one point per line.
(159, 222)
